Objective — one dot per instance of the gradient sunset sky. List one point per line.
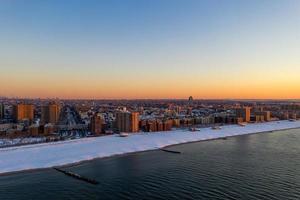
(150, 48)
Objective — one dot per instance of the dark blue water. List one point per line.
(260, 166)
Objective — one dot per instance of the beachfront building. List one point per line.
(127, 121)
(244, 113)
(23, 112)
(96, 125)
(50, 113)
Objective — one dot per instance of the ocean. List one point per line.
(257, 166)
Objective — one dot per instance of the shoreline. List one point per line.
(192, 137)
(220, 138)
(129, 153)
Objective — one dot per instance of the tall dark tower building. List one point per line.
(1, 110)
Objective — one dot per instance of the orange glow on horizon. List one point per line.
(69, 91)
(76, 87)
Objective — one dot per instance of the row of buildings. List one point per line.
(23, 116)
(49, 113)
(244, 114)
(126, 121)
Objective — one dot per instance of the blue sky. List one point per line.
(111, 45)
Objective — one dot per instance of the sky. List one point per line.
(147, 49)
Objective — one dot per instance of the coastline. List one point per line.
(168, 139)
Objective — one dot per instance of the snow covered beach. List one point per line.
(67, 152)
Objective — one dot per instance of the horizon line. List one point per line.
(132, 99)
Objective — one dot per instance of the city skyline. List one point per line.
(149, 99)
(150, 50)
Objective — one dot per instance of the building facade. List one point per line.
(96, 125)
(50, 113)
(244, 113)
(134, 123)
(127, 122)
(23, 112)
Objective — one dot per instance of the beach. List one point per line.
(48, 155)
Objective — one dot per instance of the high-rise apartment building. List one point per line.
(23, 111)
(244, 113)
(134, 122)
(267, 115)
(96, 125)
(50, 113)
(122, 121)
(127, 122)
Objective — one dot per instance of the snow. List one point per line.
(66, 152)
(19, 141)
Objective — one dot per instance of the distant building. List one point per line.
(176, 122)
(187, 122)
(265, 114)
(160, 125)
(2, 111)
(167, 125)
(258, 118)
(189, 111)
(292, 116)
(156, 125)
(34, 130)
(96, 125)
(151, 126)
(48, 129)
(127, 122)
(227, 119)
(285, 115)
(50, 113)
(23, 112)
(244, 113)
(239, 120)
(177, 109)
